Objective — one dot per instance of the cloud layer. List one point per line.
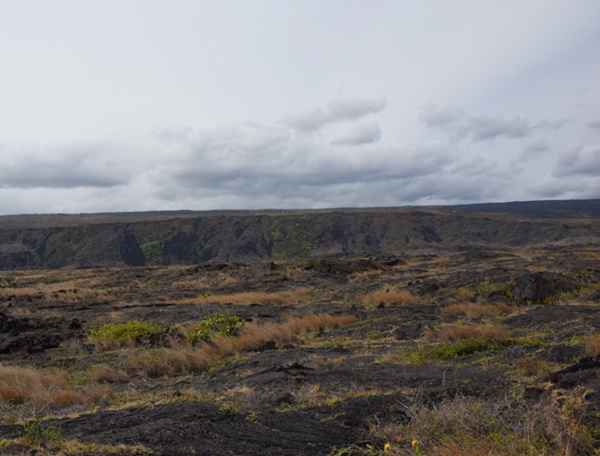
(482, 127)
(298, 162)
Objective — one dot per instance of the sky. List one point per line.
(122, 105)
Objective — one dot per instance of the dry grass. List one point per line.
(33, 387)
(464, 294)
(365, 276)
(500, 427)
(593, 348)
(530, 366)
(250, 297)
(382, 298)
(71, 447)
(59, 292)
(162, 362)
(18, 291)
(454, 333)
(472, 310)
(255, 297)
(106, 374)
(171, 362)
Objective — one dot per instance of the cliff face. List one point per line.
(85, 242)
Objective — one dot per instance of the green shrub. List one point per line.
(36, 433)
(122, 333)
(216, 324)
(458, 349)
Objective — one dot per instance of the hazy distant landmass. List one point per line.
(543, 209)
(191, 237)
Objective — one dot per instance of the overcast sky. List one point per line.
(122, 105)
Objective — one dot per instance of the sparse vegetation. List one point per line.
(364, 361)
(215, 324)
(39, 389)
(120, 334)
(382, 298)
(472, 310)
(503, 427)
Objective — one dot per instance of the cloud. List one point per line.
(595, 124)
(269, 165)
(585, 187)
(336, 111)
(361, 134)
(579, 160)
(482, 127)
(257, 165)
(67, 165)
(533, 149)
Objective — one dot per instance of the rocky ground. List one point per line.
(470, 353)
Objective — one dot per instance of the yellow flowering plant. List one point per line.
(416, 444)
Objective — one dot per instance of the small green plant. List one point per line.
(453, 350)
(122, 333)
(215, 324)
(36, 433)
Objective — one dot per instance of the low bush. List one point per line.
(124, 333)
(461, 341)
(39, 433)
(217, 323)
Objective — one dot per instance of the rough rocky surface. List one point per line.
(319, 392)
(176, 238)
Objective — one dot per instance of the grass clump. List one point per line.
(472, 310)
(216, 324)
(461, 341)
(593, 348)
(123, 333)
(168, 362)
(38, 433)
(39, 388)
(383, 298)
(465, 347)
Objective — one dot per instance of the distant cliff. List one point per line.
(163, 238)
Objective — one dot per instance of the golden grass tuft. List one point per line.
(18, 291)
(364, 276)
(378, 298)
(106, 374)
(26, 385)
(454, 333)
(249, 297)
(256, 297)
(464, 294)
(163, 362)
(530, 366)
(472, 310)
(593, 348)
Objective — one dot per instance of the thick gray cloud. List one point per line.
(481, 127)
(69, 165)
(595, 125)
(580, 160)
(336, 111)
(264, 164)
(361, 134)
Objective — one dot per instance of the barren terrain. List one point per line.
(467, 353)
